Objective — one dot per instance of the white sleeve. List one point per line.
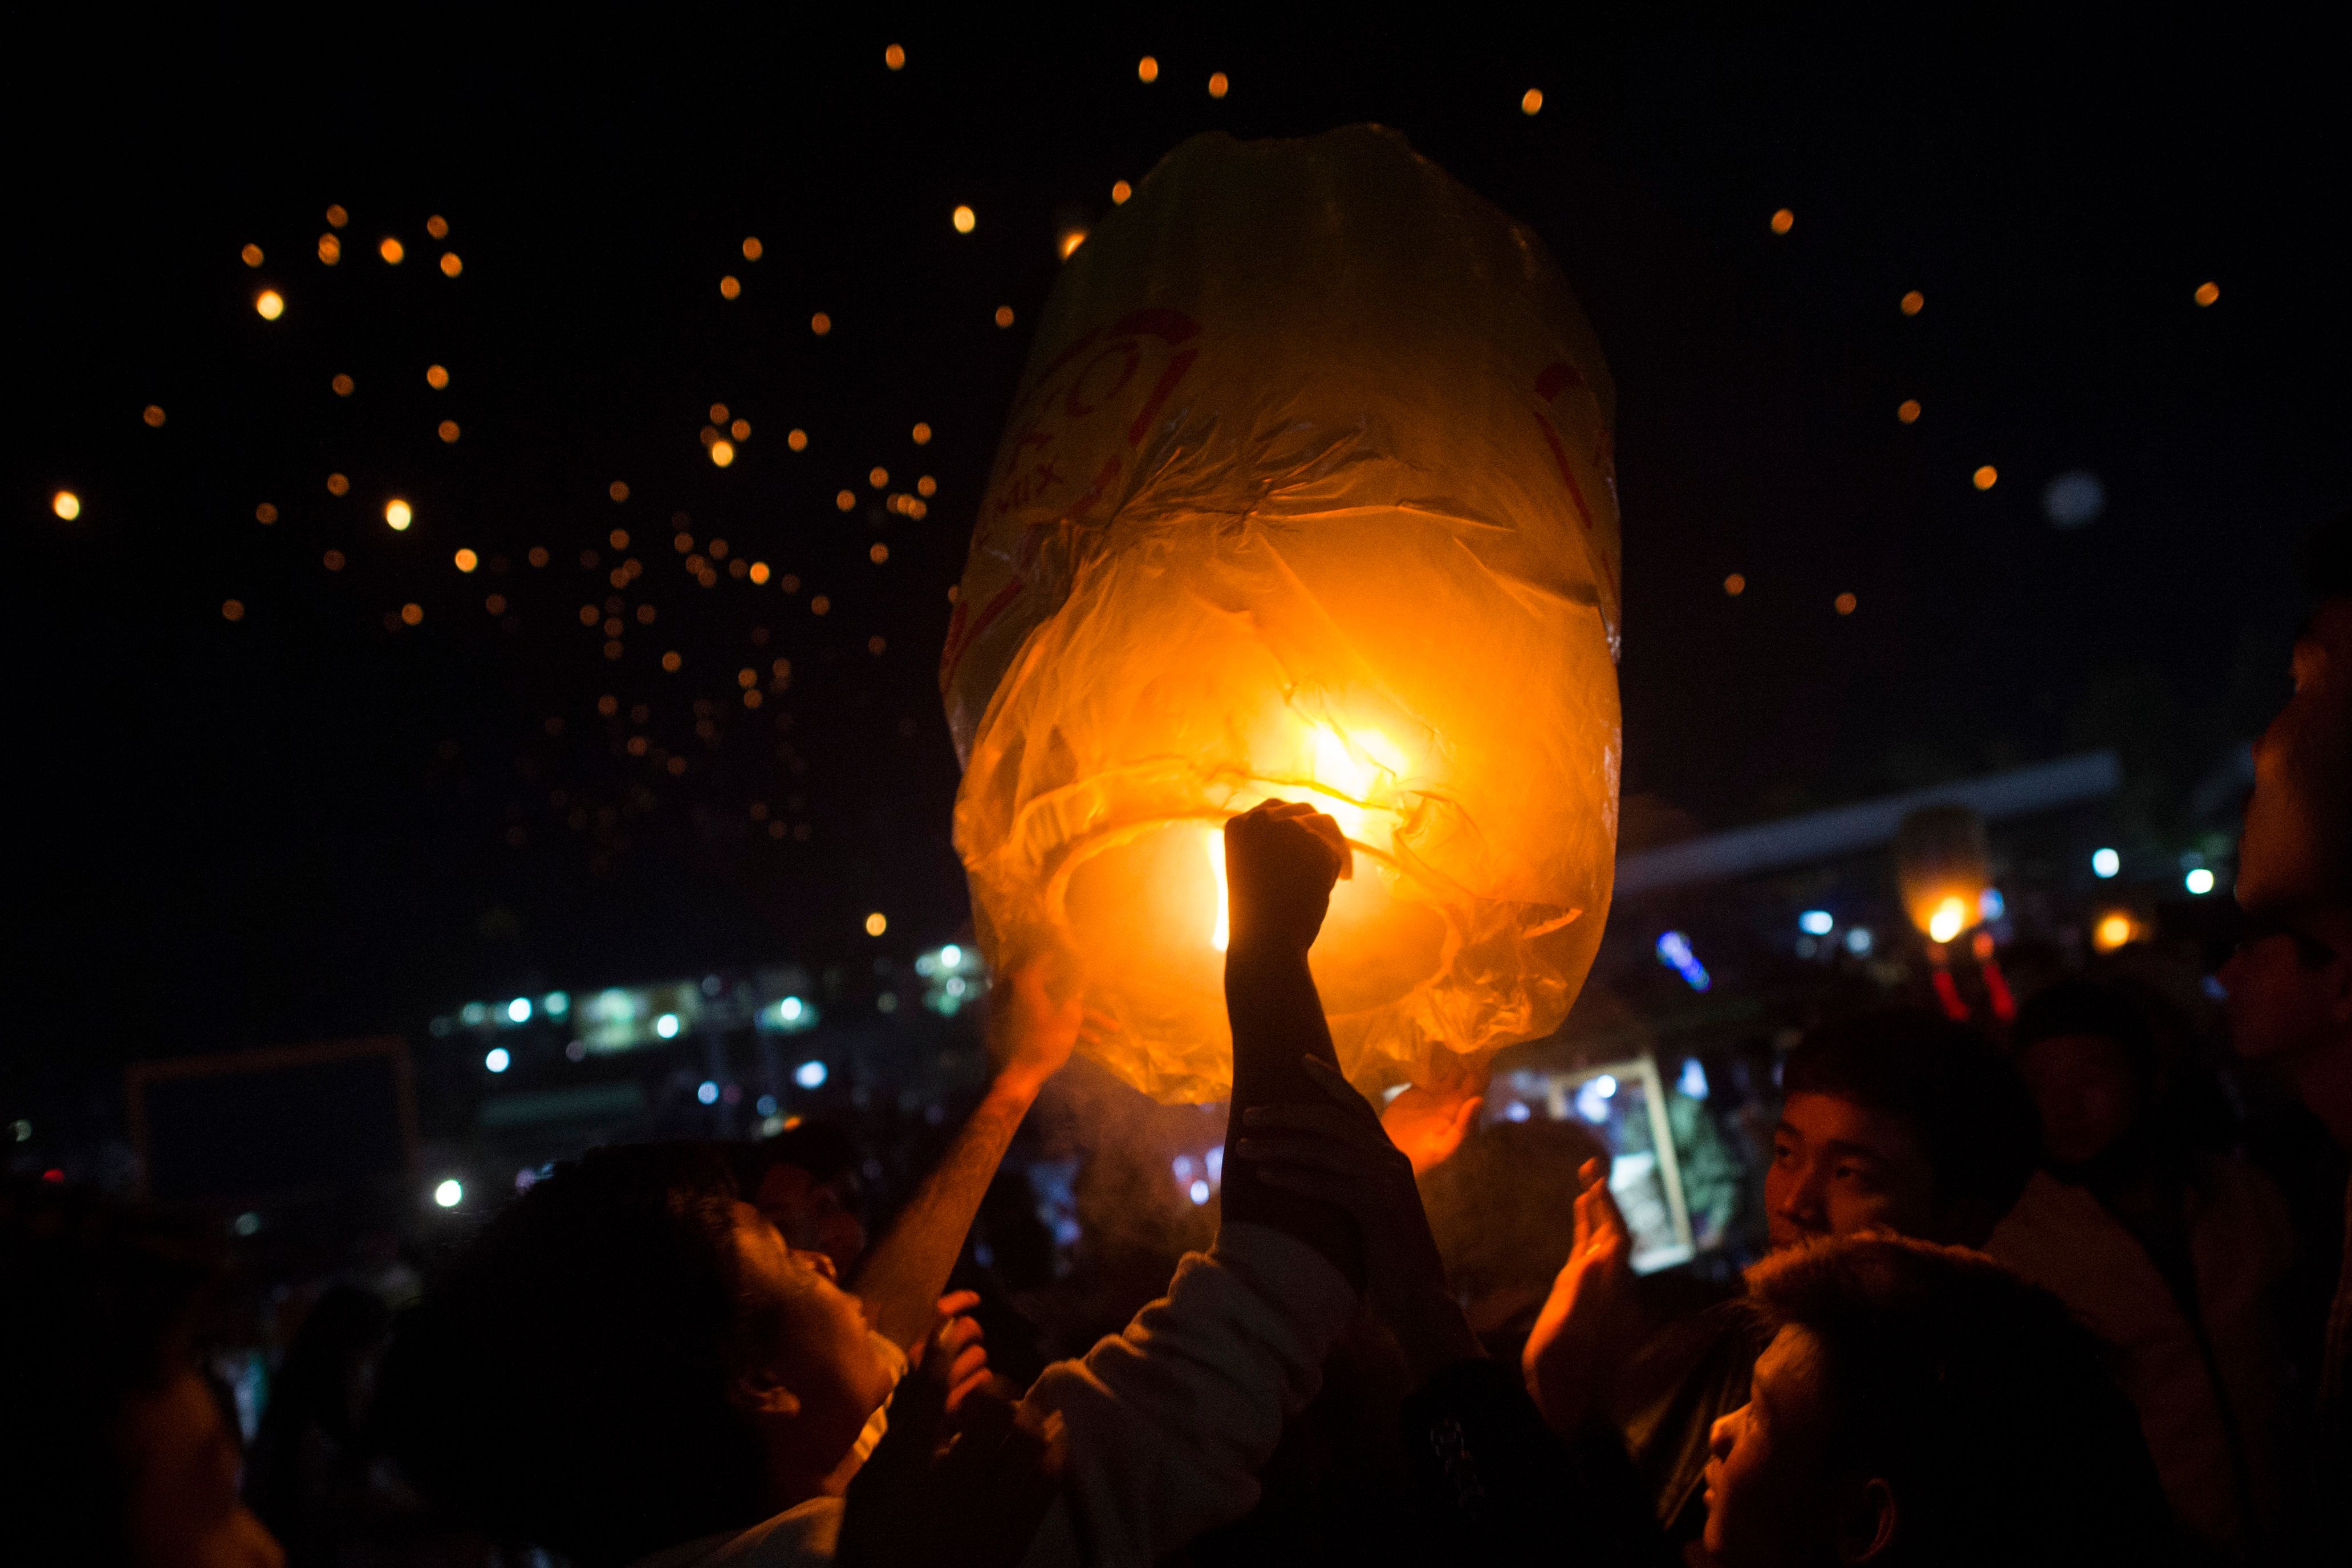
(1170, 1422)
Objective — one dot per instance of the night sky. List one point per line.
(311, 821)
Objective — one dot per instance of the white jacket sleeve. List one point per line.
(1170, 1422)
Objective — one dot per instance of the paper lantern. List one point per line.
(1943, 867)
(1306, 493)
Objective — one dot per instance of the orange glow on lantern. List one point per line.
(1247, 594)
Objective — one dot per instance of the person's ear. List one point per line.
(1867, 1529)
(759, 1394)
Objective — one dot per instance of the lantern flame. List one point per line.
(1951, 918)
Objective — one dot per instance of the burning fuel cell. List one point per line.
(1306, 493)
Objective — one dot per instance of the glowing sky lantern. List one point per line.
(1307, 492)
(1943, 867)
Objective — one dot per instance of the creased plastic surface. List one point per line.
(1307, 492)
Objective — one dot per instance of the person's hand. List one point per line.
(952, 1355)
(1590, 1317)
(964, 1475)
(1030, 1033)
(1335, 1151)
(1428, 1123)
(1281, 860)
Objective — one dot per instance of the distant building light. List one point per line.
(876, 923)
(790, 1009)
(1674, 953)
(555, 1003)
(2113, 930)
(2199, 881)
(1517, 1111)
(2106, 863)
(1990, 905)
(810, 1074)
(1198, 1192)
(951, 955)
(498, 1059)
(1693, 1082)
(707, 1093)
(1816, 922)
(450, 1193)
(475, 1013)
(518, 1010)
(666, 1026)
(1183, 1167)
(765, 1105)
(1592, 1101)
(247, 1223)
(1857, 942)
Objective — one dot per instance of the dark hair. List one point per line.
(1500, 1210)
(567, 1384)
(98, 1303)
(1977, 1397)
(1970, 1111)
(2079, 1005)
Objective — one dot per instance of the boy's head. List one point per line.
(628, 1357)
(2296, 849)
(1901, 1119)
(1919, 1405)
(2085, 1051)
(114, 1447)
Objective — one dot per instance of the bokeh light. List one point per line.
(965, 220)
(1218, 85)
(1734, 585)
(1985, 477)
(2207, 293)
(399, 514)
(1783, 221)
(450, 265)
(1907, 411)
(1914, 303)
(876, 923)
(270, 304)
(1531, 102)
(392, 251)
(1845, 603)
(66, 504)
(1147, 69)
(467, 560)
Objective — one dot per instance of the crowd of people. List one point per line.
(2019, 1305)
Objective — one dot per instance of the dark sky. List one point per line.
(303, 824)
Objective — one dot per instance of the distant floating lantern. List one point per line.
(270, 304)
(1307, 492)
(1943, 869)
(397, 513)
(66, 504)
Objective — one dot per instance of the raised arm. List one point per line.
(1032, 1035)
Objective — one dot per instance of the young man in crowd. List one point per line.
(1913, 1405)
(1895, 1120)
(2290, 982)
(632, 1362)
(114, 1449)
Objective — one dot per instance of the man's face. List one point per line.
(1768, 1497)
(183, 1459)
(812, 1214)
(824, 1352)
(2088, 1094)
(2293, 849)
(1839, 1167)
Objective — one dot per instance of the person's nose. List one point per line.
(818, 1261)
(1724, 1435)
(1804, 1202)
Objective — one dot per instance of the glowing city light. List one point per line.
(1692, 1084)
(449, 1193)
(392, 250)
(2106, 863)
(2113, 930)
(270, 304)
(790, 1009)
(722, 453)
(708, 1092)
(1990, 905)
(518, 1010)
(810, 1074)
(497, 1059)
(555, 1003)
(1674, 953)
(1857, 942)
(467, 560)
(1198, 1192)
(2199, 881)
(876, 923)
(398, 513)
(666, 1026)
(951, 955)
(1816, 922)
(66, 504)
(965, 220)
